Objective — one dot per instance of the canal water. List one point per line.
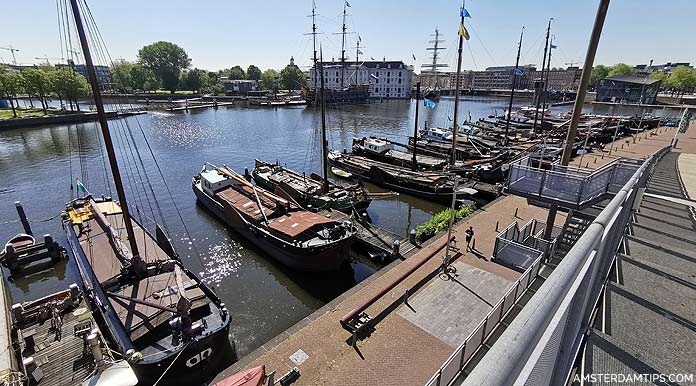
(38, 164)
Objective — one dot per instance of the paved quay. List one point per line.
(411, 341)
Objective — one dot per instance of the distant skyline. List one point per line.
(220, 34)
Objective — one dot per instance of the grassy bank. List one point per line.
(440, 222)
(21, 113)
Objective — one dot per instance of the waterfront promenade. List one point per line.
(411, 341)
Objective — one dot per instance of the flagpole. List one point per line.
(455, 128)
(414, 162)
(512, 93)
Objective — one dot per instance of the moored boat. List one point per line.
(309, 191)
(433, 186)
(295, 237)
(158, 312)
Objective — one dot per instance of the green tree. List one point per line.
(253, 73)
(166, 60)
(292, 78)
(599, 72)
(10, 86)
(621, 69)
(143, 78)
(235, 72)
(37, 83)
(682, 78)
(197, 79)
(121, 76)
(659, 75)
(268, 79)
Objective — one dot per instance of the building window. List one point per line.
(388, 80)
(399, 79)
(399, 74)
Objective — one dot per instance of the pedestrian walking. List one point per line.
(469, 236)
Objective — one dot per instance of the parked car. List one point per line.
(672, 123)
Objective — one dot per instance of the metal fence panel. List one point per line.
(562, 187)
(494, 318)
(450, 370)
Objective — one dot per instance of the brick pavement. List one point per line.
(399, 352)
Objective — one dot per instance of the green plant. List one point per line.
(440, 222)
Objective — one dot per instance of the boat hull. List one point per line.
(329, 257)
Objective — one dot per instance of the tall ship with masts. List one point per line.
(161, 317)
(349, 88)
(432, 70)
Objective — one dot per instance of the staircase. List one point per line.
(574, 227)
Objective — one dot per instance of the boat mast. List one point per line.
(414, 162)
(433, 68)
(357, 59)
(514, 81)
(456, 90)
(108, 143)
(546, 97)
(543, 66)
(324, 150)
(314, 43)
(343, 46)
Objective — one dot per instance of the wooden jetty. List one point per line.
(376, 239)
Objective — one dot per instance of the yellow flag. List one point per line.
(463, 32)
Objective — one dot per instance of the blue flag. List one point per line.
(464, 13)
(518, 72)
(429, 104)
(553, 46)
(373, 76)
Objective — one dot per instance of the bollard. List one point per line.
(595, 160)
(412, 236)
(395, 247)
(23, 218)
(406, 296)
(497, 223)
(516, 210)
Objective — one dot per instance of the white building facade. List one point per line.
(387, 79)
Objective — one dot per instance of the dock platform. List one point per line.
(374, 237)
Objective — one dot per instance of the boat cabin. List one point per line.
(377, 145)
(213, 181)
(433, 133)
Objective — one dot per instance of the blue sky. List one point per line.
(222, 33)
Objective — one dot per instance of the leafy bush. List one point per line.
(440, 222)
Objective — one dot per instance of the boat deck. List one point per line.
(136, 318)
(59, 353)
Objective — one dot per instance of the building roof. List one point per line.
(632, 79)
(390, 64)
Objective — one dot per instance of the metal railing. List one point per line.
(568, 186)
(453, 366)
(519, 247)
(540, 346)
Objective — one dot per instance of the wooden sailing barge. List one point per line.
(161, 317)
(295, 237)
(432, 186)
(309, 191)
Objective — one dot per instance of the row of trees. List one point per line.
(166, 65)
(42, 83)
(682, 79)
